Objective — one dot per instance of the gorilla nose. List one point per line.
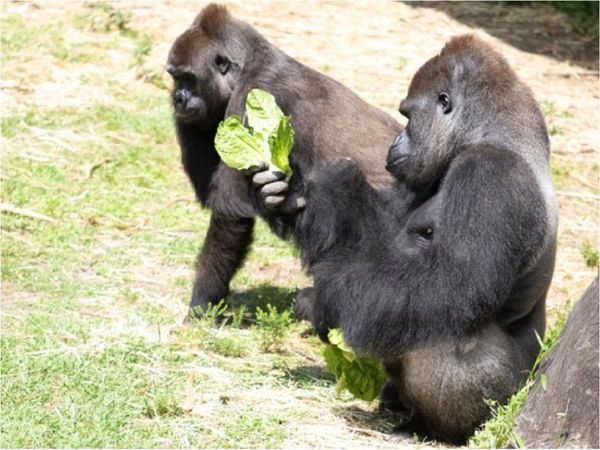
(180, 99)
(399, 151)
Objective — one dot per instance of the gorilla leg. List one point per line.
(446, 384)
(305, 299)
(225, 247)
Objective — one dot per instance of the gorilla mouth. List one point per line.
(395, 164)
(192, 110)
(188, 115)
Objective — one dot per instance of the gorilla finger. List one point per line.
(298, 202)
(267, 176)
(274, 201)
(255, 169)
(275, 188)
(294, 204)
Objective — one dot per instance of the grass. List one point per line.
(103, 16)
(94, 348)
(272, 328)
(583, 15)
(590, 254)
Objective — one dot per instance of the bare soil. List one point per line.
(374, 48)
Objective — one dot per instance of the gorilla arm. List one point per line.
(446, 270)
(341, 215)
(198, 156)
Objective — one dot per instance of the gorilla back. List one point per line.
(214, 64)
(451, 294)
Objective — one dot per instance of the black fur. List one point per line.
(447, 287)
(215, 63)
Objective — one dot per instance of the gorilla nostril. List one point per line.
(179, 98)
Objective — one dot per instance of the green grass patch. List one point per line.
(583, 15)
(272, 327)
(93, 351)
(16, 35)
(105, 17)
(58, 398)
(246, 429)
(590, 254)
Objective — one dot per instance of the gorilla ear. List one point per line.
(211, 18)
(445, 102)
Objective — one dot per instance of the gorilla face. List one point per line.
(204, 75)
(421, 152)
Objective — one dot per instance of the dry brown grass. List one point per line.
(373, 47)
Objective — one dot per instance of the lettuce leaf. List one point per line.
(281, 142)
(363, 377)
(237, 147)
(269, 141)
(262, 112)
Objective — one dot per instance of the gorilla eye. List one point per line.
(444, 100)
(222, 64)
(426, 232)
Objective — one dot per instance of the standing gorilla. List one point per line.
(451, 294)
(214, 64)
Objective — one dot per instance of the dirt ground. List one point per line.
(374, 48)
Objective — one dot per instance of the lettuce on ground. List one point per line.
(363, 377)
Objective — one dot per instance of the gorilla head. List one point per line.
(461, 97)
(205, 63)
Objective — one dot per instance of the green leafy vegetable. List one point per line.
(262, 111)
(270, 141)
(280, 143)
(362, 377)
(237, 147)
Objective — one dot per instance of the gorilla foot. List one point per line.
(199, 305)
(389, 398)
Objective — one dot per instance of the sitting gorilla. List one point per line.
(451, 292)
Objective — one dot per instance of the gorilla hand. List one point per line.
(272, 192)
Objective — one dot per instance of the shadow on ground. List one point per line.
(534, 28)
(260, 296)
(309, 375)
(378, 421)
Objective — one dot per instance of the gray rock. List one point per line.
(565, 414)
